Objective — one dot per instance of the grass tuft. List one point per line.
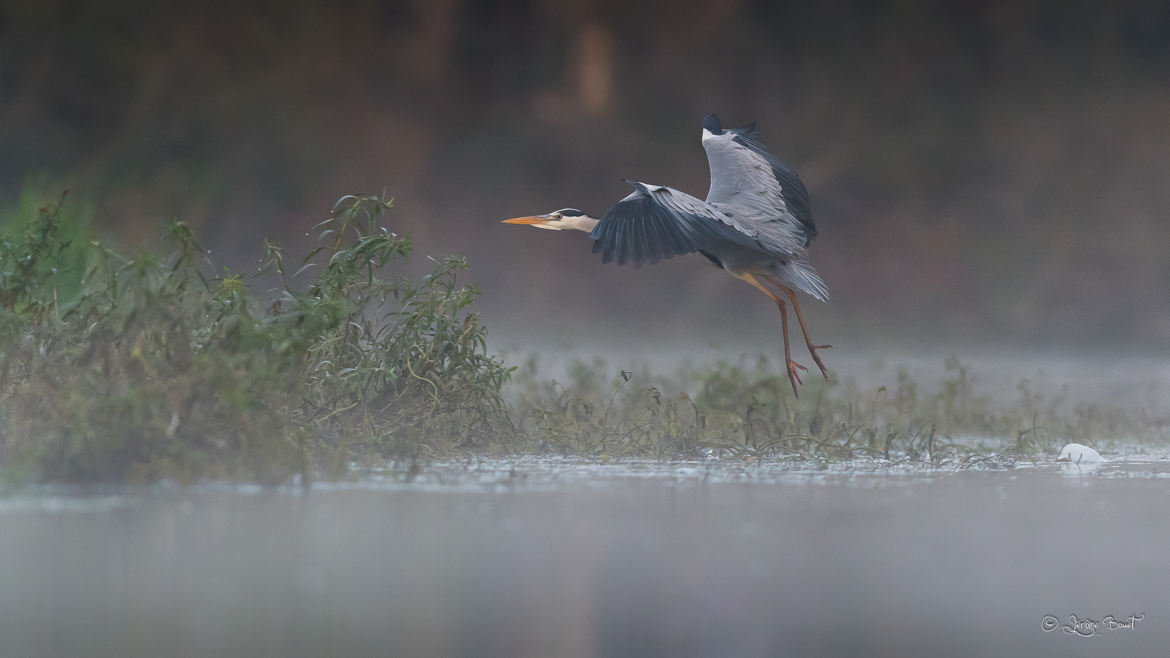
(745, 410)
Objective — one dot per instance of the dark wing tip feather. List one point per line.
(638, 241)
(747, 130)
(641, 230)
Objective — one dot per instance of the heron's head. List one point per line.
(565, 219)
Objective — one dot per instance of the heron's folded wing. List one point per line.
(658, 222)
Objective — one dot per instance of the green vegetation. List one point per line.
(27, 263)
(746, 410)
(156, 370)
(120, 368)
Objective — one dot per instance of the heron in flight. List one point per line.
(755, 223)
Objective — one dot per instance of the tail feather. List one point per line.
(804, 278)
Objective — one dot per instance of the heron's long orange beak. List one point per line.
(534, 219)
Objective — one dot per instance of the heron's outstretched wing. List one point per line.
(657, 222)
(762, 196)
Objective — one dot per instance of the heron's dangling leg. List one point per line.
(812, 349)
(793, 376)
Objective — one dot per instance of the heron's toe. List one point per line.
(794, 375)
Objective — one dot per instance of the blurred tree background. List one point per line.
(981, 172)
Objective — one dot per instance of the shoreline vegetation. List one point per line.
(134, 368)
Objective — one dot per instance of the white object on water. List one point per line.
(1079, 454)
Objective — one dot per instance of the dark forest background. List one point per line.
(981, 172)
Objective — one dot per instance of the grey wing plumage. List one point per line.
(657, 222)
(762, 196)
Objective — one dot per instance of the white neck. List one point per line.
(581, 223)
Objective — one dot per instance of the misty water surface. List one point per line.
(559, 557)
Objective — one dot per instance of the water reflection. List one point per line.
(560, 558)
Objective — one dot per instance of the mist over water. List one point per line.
(988, 183)
(1137, 382)
(647, 559)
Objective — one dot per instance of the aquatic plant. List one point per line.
(158, 370)
(742, 410)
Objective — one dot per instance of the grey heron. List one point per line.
(755, 223)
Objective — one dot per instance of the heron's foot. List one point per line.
(812, 349)
(794, 376)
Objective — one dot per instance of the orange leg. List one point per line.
(793, 376)
(812, 349)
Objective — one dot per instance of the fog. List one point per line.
(991, 174)
(572, 560)
(988, 180)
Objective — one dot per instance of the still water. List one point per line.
(560, 558)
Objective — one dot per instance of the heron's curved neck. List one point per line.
(581, 223)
